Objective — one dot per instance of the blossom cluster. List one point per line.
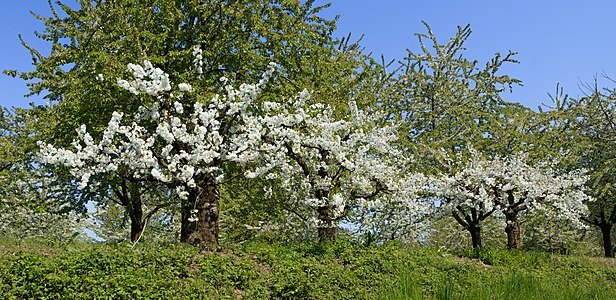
(330, 164)
(511, 183)
(184, 142)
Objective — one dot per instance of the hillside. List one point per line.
(259, 270)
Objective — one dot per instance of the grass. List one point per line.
(514, 286)
(265, 270)
(502, 274)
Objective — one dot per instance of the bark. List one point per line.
(328, 234)
(472, 223)
(205, 199)
(514, 237)
(606, 231)
(136, 220)
(129, 194)
(475, 232)
(329, 226)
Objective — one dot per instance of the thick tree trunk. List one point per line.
(514, 237)
(204, 230)
(329, 226)
(475, 232)
(606, 232)
(327, 234)
(514, 234)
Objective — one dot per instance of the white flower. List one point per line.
(185, 87)
(178, 107)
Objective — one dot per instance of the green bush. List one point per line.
(266, 270)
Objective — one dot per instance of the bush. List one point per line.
(265, 270)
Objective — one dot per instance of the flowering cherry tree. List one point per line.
(399, 215)
(325, 163)
(178, 141)
(29, 207)
(511, 186)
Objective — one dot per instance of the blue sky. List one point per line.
(564, 42)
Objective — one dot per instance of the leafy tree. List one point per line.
(446, 101)
(184, 150)
(401, 214)
(554, 132)
(595, 121)
(447, 233)
(326, 163)
(33, 202)
(92, 43)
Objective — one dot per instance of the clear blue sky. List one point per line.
(558, 41)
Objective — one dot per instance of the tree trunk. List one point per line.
(129, 194)
(475, 232)
(606, 232)
(514, 238)
(327, 234)
(204, 230)
(187, 226)
(136, 219)
(329, 226)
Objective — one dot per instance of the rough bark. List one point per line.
(606, 233)
(514, 237)
(514, 234)
(327, 234)
(475, 232)
(204, 231)
(328, 229)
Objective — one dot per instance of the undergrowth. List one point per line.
(265, 270)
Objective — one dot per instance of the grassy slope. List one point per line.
(300, 271)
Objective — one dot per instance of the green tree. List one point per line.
(446, 101)
(96, 40)
(596, 121)
(33, 201)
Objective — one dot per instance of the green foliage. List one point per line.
(253, 209)
(442, 100)
(506, 274)
(32, 202)
(446, 101)
(117, 272)
(447, 234)
(238, 40)
(93, 41)
(594, 117)
(258, 270)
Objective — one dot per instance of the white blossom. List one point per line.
(506, 183)
(182, 147)
(147, 79)
(198, 59)
(327, 163)
(185, 87)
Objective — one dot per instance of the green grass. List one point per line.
(260, 270)
(502, 274)
(512, 286)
